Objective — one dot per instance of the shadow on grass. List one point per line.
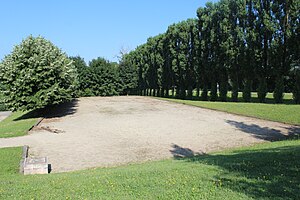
(240, 100)
(265, 133)
(55, 111)
(180, 152)
(272, 173)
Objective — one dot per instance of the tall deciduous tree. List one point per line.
(128, 74)
(247, 45)
(37, 74)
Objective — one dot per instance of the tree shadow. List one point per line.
(294, 132)
(179, 152)
(240, 100)
(54, 111)
(271, 173)
(265, 133)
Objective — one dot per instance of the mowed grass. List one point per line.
(285, 113)
(9, 161)
(264, 171)
(15, 125)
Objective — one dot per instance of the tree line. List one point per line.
(37, 74)
(232, 45)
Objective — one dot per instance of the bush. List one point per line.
(37, 74)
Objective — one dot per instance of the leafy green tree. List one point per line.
(128, 74)
(204, 49)
(81, 68)
(37, 74)
(279, 90)
(174, 45)
(152, 73)
(214, 42)
(234, 44)
(160, 63)
(249, 28)
(191, 54)
(296, 89)
(167, 73)
(102, 78)
(293, 45)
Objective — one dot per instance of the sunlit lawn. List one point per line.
(16, 125)
(264, 171)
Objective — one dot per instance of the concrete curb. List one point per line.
(24, 156)
(37, 123)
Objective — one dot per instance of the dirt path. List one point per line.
(110, 131)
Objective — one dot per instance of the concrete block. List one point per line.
(36, 166)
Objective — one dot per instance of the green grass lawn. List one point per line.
(286, 113)
(264, 171)
(15, 125)
(9, 161)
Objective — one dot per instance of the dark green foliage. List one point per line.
(296, 90)
(262, 90)
(214, 90)
(235, 91)
(81, 68)
(223, 86)
(128, 75)
(2, 104)
(240, 45)
(279, 90)
(247, 91)
(37, 74)
(102, 78)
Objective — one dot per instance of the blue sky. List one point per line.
(90, 28)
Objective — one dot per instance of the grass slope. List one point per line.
(275, 112)
(9, 161)
(264, 171)
(15, 125)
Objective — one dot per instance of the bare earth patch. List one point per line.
(110, 131)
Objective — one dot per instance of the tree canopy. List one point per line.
(99, 78)
(237, 45)
(37, 74)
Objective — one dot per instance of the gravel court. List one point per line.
(110, 131)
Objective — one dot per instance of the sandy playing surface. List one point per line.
(108, 131)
